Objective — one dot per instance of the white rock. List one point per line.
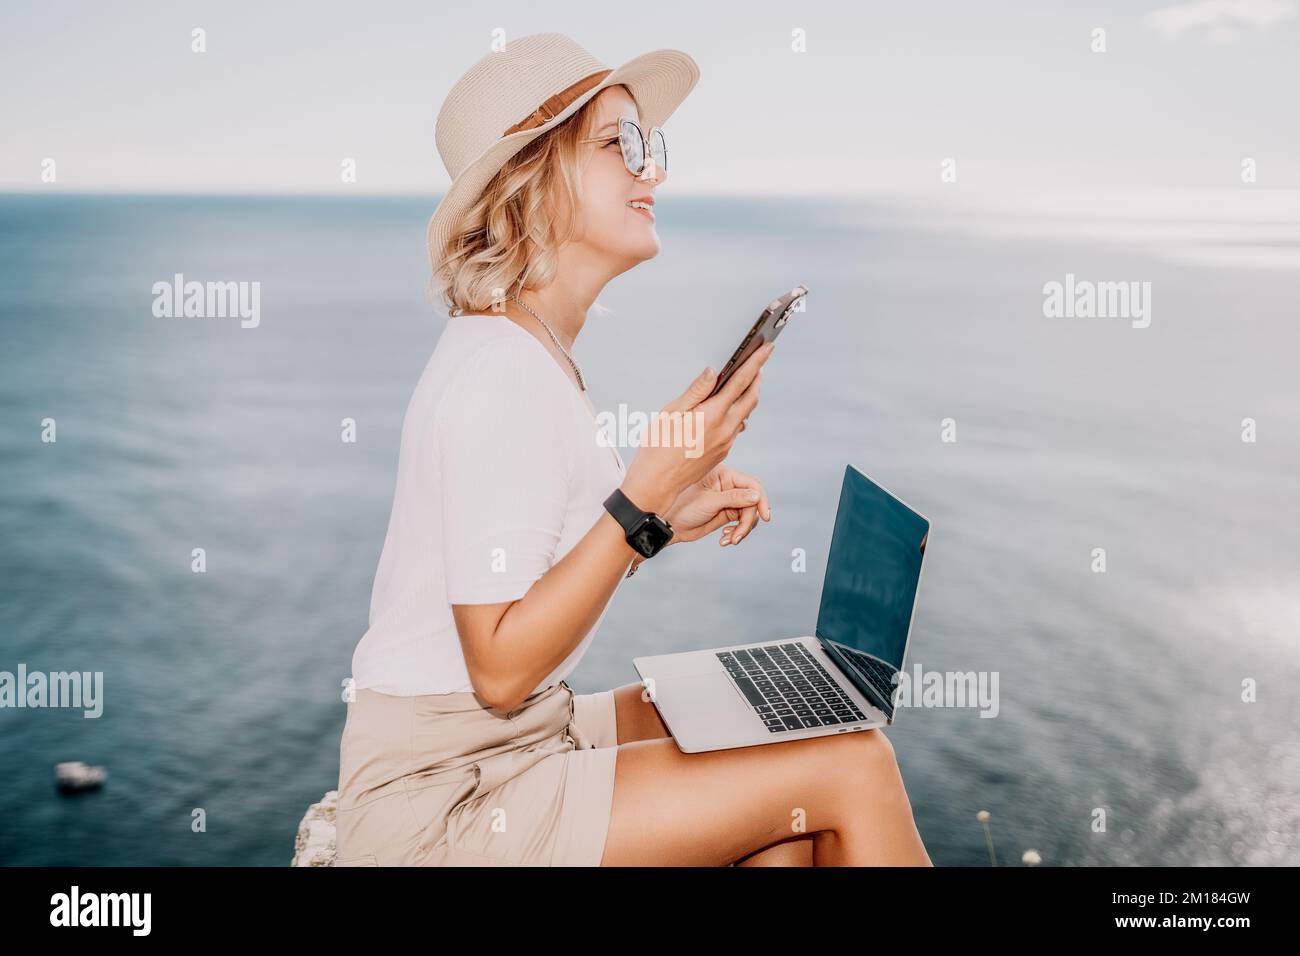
(76, 775)
(314, 844)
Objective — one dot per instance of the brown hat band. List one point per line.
(555, 105)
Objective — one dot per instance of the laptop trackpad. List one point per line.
(704, 701)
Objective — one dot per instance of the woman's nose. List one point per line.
(652, 173)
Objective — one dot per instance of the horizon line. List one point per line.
(947, 190)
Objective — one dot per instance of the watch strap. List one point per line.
(624, 511)
(645, 531)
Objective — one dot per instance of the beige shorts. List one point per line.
(442, 780)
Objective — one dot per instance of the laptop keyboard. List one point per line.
(788, 687)
(875, 672)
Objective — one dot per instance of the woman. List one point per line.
(512, 526)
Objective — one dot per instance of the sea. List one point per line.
(1115, 529)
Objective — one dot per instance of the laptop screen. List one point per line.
(872, 574)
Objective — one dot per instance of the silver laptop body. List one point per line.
(840, 679)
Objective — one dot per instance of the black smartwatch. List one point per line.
(646, 532)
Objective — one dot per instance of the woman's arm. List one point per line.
(511, 646)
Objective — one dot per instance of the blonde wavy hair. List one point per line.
(509, 240)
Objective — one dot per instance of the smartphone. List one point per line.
(769, 325)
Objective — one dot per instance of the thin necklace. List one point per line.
(565, 352)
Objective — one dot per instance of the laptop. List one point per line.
(840, 679)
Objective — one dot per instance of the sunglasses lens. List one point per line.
(659, 149)
(629, 138)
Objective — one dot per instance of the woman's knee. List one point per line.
(864, 758)
(837, 769)
(877, 745)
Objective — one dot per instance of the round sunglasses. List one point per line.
(632, 142)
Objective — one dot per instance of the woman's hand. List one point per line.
(665, 465)
(722, 496)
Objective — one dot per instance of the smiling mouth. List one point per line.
(644, 209)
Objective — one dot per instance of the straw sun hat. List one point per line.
(509, 98)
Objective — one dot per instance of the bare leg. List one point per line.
(639, 720)
(797, 851)
(843, 794)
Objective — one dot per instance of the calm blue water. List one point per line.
(1119, 690)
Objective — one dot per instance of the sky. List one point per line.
(883, 94)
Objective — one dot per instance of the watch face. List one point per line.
(650, 535)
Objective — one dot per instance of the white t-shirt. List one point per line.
(499, 475)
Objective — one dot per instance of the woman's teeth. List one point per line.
(640, 205)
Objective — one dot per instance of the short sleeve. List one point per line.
(505, 451)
